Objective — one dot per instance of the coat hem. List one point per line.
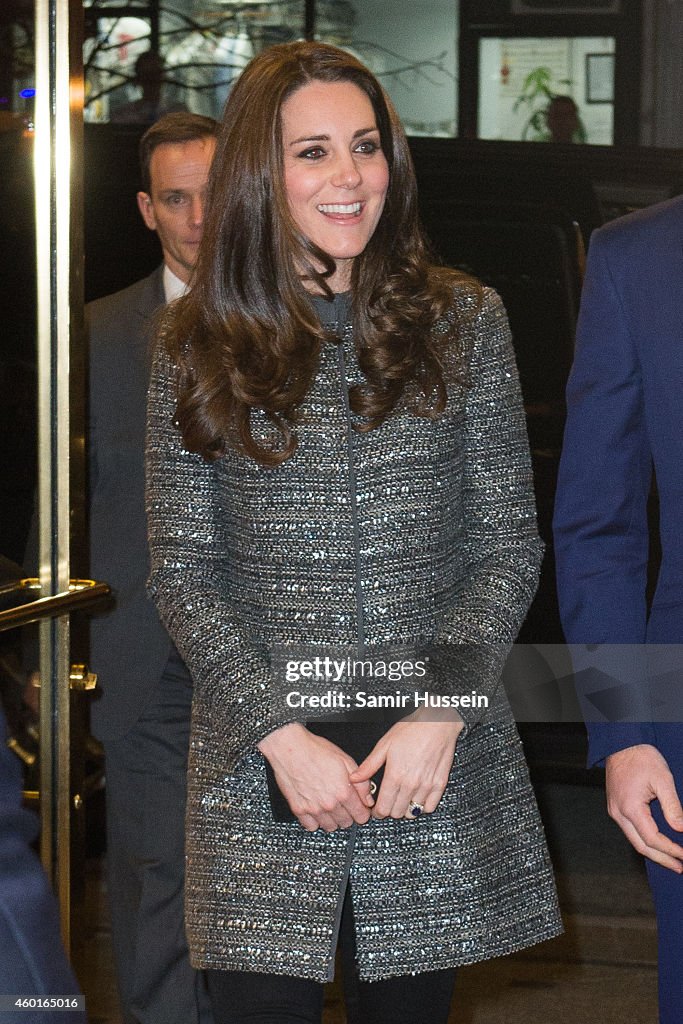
(432, 963)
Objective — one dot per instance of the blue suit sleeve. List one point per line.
(32, 959)
(601, 531)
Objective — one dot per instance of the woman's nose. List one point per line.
(346, 173)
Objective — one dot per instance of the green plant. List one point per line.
(537, 94)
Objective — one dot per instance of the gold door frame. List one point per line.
(59, 256)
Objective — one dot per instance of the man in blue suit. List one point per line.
(625, 420)
(33, 961)
(143, 716)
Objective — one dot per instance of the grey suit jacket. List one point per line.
(129, 646)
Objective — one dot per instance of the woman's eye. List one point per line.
(367, 146)
(314, 153)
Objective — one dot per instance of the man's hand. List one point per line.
(635, 777)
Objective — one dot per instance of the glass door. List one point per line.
(42, 400)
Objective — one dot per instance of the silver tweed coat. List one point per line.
(419, 531)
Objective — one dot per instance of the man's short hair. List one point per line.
(180, 126)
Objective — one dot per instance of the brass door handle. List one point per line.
(81, 680)
(81, 593)
(28, 757)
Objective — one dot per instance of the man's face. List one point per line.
(174, 207)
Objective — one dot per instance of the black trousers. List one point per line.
(146, 789)
(240, 997)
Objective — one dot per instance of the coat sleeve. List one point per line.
(502, 549)
(600, 524)
(189, 578)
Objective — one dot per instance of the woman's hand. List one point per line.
(417, 754)
(314, 777)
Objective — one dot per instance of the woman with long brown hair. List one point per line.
(338, 460)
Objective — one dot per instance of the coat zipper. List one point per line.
(359, 615)
(353, 496)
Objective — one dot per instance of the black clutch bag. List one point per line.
(355, 738)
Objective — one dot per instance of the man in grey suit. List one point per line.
(143, 716)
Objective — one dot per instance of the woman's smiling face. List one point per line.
(335, 173)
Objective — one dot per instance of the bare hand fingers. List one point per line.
(646, 826)
(317, 787)
(331, 822)
(366, 793)
(400, 800)
(325, 821)
(360, 817)
(308, 822)
(657, 848)
(330, 813)
(386, 799)
(338, 816)
(428, 802)
(352, 803)
(418, 760)
(405, 800)
(417, 806)
(639, 826)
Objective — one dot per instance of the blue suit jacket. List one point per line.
(625, 416)
(32, 959)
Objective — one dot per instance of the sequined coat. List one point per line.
(420, 529)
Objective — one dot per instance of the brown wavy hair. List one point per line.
(246, 337)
